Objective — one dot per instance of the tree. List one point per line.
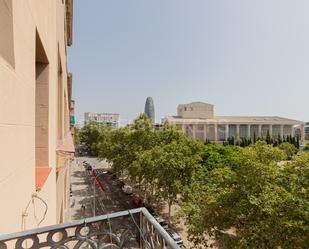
(268, 138)
(231, 140)
(116, 149)
(265, 204)
(91, 135)
(279, 139)
(177, 162)
(297, 142)
(214, 155)
(289, 149)
(76, 136)
(124, 144)
(139, 152)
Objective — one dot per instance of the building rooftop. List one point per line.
(238, 120)
(196, 103)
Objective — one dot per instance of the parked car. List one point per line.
(162, 222)
(175, 236)
(150, 209)
(127, 189)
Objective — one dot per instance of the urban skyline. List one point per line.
(237, 147)
(246, 57)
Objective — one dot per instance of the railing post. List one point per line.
(141, 233)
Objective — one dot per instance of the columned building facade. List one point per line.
(197, 120)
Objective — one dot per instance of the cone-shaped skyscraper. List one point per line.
(149, 109)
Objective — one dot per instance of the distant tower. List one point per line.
(149, 109)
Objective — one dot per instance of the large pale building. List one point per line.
(35, 96)
(197, 120)
(110, 119)
(307, 131)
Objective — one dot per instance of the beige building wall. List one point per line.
(33, 40)
(195, 110)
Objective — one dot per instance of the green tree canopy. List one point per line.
(265, 204)
(289, 149)
(91, 135)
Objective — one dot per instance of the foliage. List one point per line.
(289, 149)
(241, 196)
(306, 147)
(76, 135)
(147, 156)
(266, 205)
(215, 156)
(165, 170)
(91, 135)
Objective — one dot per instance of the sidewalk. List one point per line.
(81, 192)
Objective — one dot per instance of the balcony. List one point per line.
(134, 228)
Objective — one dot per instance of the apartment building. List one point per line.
(35, 94)
(110, 119)
(197, 120)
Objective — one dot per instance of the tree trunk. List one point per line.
(170, 203)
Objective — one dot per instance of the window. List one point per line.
(265, 130)
(254, 131)
(6, 31)
(221, 132)
(211, 134)
(243, 131)
(287, 130)
(276, 130)
(232, 131)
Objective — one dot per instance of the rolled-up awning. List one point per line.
(41, 175)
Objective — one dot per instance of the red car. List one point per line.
(139, 202)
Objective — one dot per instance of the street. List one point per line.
(112, 199)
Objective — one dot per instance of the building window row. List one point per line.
(222, 132)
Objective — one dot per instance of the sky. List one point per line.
(245, 57)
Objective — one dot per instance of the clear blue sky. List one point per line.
(245, 57)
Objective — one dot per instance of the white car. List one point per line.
(175, 236)
(162, 222)
(127, 189)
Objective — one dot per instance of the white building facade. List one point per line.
(197, 120)
(307, 131)
(110, 119)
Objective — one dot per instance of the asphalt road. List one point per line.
(108, 199)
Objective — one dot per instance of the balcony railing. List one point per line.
(134, 228)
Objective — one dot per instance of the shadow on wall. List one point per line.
(7, 32)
